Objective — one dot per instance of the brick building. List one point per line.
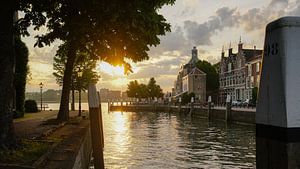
(239, 73)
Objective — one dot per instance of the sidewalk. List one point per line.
(31, 125)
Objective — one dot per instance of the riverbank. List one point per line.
(237, 115)
(45, 144)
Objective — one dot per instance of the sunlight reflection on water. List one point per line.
(163, 140)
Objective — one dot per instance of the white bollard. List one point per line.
(279, 92)
(278, 109)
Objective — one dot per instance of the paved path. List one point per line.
(31, 125)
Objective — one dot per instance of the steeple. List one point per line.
(223, 52)
(194, 58)
(240, 46)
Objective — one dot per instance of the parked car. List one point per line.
(237, 103)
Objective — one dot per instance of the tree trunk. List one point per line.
(7, 62)
(79, 103)
(63, 114)
(73, 98)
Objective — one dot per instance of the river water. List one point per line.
(142, 140)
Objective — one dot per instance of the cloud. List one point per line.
(254, 19)
(200, 34)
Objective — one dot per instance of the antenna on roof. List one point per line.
(240, 39)
(223, 49)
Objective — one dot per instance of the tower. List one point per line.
(194, 58)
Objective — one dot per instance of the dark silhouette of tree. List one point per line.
(112, 31)
(83, 64)
(134, 89)
(154, 90)
(212, 76)
(21, 71)
(7, 63)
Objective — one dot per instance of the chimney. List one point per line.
(240, 46)
(254, 47)
(223, 53)
(229, 52)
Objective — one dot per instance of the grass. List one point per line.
(27, 152)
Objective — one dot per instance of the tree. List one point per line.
(154, 90)
(21, 52)
(212, 76)
(112, 31)
(83, 64)
(7, 63)
(132, 89)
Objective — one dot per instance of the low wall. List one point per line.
(218, 114)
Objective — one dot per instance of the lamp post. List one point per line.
(41, 88)
(79, 93)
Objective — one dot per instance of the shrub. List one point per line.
(30, 106)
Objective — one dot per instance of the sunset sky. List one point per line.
(207, 24)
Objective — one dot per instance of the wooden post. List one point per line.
(209, 108)
(179, 106)
(228, 108)
(96, 126)
(101, 119)
(192, 106)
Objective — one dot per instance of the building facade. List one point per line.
(190, 79)
(239, 73)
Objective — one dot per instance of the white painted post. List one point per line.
(279, 92)
(278, 109)
(96, 126)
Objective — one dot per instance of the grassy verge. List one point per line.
(27, 152)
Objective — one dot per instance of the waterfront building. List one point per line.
(190, 79)
(239, 73)
(107, 94)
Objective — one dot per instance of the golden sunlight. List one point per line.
(111, 70)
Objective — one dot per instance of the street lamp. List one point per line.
(79, 90)
(41, 87)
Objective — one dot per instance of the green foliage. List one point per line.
(21, 71)
(26, 153)
(30, 106)
(154, 90)
(134, 89)
(112, 31)
(83, 64)
(186, 98)
(254, 95)
(212, 76)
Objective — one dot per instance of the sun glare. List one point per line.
(111, 70)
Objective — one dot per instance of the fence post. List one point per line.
(96, 126)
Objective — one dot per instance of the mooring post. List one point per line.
(96, 126)
(228, 108)
(277, 113)
(192, 106)
(169, 105)
(179, 106)
(209, 107)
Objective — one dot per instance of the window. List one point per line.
(229, 67)
(257, 67)
(252, 81)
